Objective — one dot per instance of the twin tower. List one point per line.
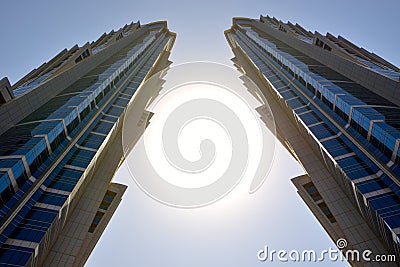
(335, 105)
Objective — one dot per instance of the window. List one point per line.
(319, 43)
(96, 220)
(324, 208)
(312, 191)
(108, 198)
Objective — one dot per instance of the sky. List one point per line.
(143, 232)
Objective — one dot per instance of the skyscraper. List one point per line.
(336, 109)
(60, 137)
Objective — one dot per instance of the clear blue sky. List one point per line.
(143, 231)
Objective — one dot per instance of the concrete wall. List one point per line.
(17, 109)
(379, 84)
(6, 93)
(349, 222)
(74, 243)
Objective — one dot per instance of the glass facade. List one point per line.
(46, 157)
(355, 130)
